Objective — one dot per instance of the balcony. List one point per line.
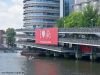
(25, 30)
(24, 36)
(40, 2)
(42, 10)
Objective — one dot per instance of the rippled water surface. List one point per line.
(14, 64)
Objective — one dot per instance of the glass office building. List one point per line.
(40, 13)
(66, 7)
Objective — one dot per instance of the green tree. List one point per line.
(98, 21)
(90, 16)
(10, 33)
(87, 18)
(75, 19)
(60, 23)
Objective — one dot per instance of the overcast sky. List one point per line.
(11, 14)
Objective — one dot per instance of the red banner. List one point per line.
(47, 36)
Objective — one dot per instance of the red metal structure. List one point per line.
(85, 49)
(48, 36)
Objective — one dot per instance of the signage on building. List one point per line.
(47, 36)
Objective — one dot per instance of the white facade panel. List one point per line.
(61, 8)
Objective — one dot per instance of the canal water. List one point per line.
(15, 64)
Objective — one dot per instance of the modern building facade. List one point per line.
(40, 13)
(80, 4)
(44, 13)
(66, 7)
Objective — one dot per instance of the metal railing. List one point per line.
(73, 30)
(89, 30)
(94, 42)
(80, 41)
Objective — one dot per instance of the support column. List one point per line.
(47, 53)
(93, 54)
(56, 54)
(91, 57)
(78, 54)
(65, 55)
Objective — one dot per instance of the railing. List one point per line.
(40, 2)
(41, 9)
(80, 41)
(73, 30)
(89, 30)
(31, 5)
(35, 10)
(93, 42)
(24, 36)
(44, 15)
(25, 30)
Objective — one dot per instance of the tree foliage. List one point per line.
(88, 17)
(73, 20)
(10, 33)
(98, 21)
(60, 23)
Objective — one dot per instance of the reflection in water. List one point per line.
(45, 68)
(12, 62)
(64, 67)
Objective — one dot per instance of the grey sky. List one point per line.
(11, 14)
